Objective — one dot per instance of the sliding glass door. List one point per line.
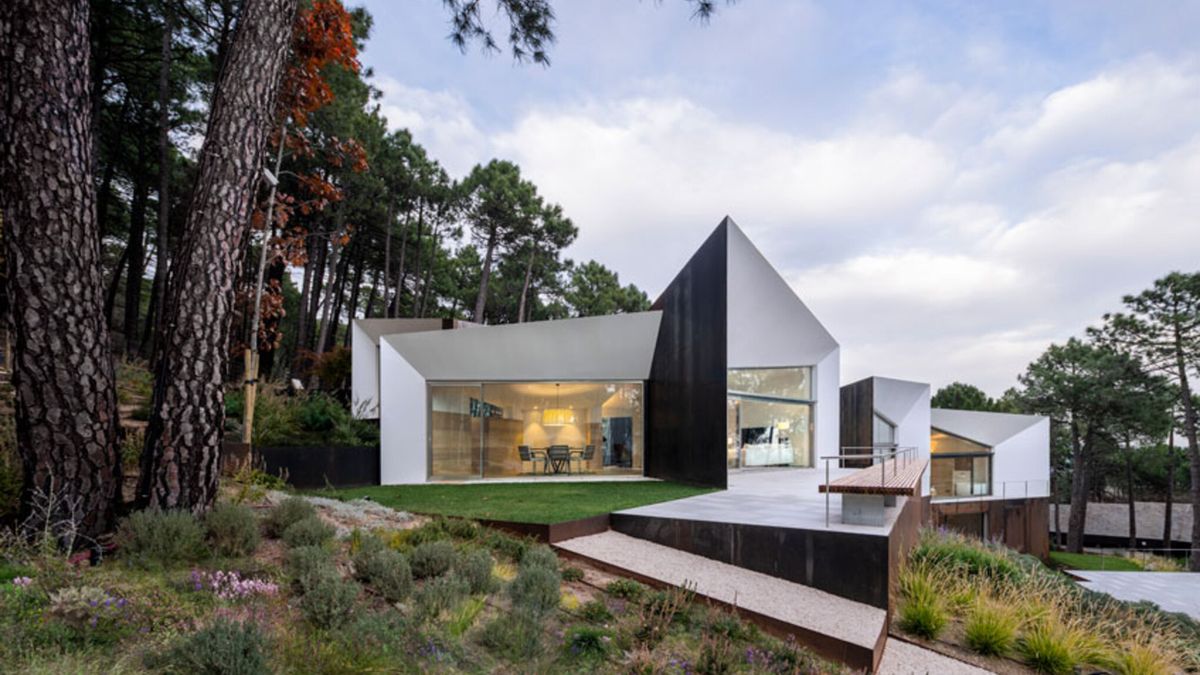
(769, 417)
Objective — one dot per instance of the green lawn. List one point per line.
(1093, 562)
(524, 502)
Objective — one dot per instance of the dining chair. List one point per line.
(584, 455)
(531, 456)
(559, 456)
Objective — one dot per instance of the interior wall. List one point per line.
(685, 398)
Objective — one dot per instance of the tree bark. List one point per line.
(1129, 490)
(183, 440)
(525, 286)
(402, 272)
(355, 284)
(485, 276)
(162, 230)
(65, 398)
(436, 243)
(318, 291)
(114, 284)
(387, 262)
(1079, 490)
(1169, 505)
(136, 248)
(417, 267)
(302, 307)
(1189, 423)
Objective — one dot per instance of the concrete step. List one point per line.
(836, 628)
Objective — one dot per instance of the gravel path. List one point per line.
(798, 605)
(905, 658)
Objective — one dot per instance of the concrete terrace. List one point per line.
(770, 497)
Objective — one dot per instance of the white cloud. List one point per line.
(442, 121)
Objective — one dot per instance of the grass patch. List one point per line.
(540, 503)
(1093, 562)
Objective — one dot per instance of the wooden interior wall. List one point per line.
(857, 417)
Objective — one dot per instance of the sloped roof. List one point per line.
(376, 328)
(894, 399)
(988, 428)
(766, 318)
(618, 347)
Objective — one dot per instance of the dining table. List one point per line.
(557, 464)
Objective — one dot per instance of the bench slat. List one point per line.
(902, 480)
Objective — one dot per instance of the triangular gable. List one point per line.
(988, 428)
(895, 399)
(768, 325)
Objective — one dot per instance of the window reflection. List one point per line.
(959, 467)
(790, 383)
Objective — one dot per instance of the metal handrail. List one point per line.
(908, 452)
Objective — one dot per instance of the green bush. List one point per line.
(540, 556)
(718, 656)
(329, 601)
(224, 647)
(921, 610)
(536, 590)
(306, 564)
(475, 568)
(319, 412)
(516, 637)
(286, 513)
(1047, 649)
(990, 628)
(465, 617)
(311, 531)
(462, 529)
(387, 572)
(595, 611)
(572, 573)
(975, 558)
(587, 643)
(512, 548)
(432, 559)
(232, 530)
(438, 595)
(154, 538)
(626, 589)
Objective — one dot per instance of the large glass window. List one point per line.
(789, 383)
(545, 428)
(959, 467)
(883, 432)
(455, 425)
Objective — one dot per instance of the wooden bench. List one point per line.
(868, 491)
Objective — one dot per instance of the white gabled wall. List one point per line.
(913, 431)
(403, 436)
(827, 435)
(364, 374)
(1023, 457)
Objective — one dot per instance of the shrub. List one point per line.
(464, 618)
(305, 564)
(626, 589)
(535, 590)
(1133, 658)
(154, 538)
(595, 611)
(540, 556)
(512, 548)
(724, 623)
(462, 529)
(432, 559)
(973, 557)
(387, 572)
(587, 643)
(232, 530)
(717, 656)
(1045, 647)
(990, 628)
(329, 601)
(221, 648)
(516, 637)
(438, 595)
(921, 611)
(311, 531)
(287, 512)
(475, 568)
(572, 573)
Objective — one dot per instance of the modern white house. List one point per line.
(990, 476)
(728, 369)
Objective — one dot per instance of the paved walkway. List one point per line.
(844, 620)
(905, 658)
(774, 497)
(1173, 591)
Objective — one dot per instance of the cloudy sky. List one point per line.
(951, 187)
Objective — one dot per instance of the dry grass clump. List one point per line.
(1012, 605)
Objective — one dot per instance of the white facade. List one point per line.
(1020, 449)
(364, 358)
(905, 405)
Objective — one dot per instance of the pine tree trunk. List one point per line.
(114, 284)
(1132, 503)
(318, 290)
(417, 267)
(484, 277)
(525, 286)
(183, 441)
(65, 402)
(387, 262)
(1169, 505)
(136, 248)
(302, 308)
(402, 272)
(1079, 492)
(355, 283)
(1189, 423)
(436, 243)
(162, 231)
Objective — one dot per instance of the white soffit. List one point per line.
(377, 328)
(768, 325)
(894, 399)
(988, 428)
(618, 347)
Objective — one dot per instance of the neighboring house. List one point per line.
(990, 476)
(728, 369)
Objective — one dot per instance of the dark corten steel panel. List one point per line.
(1022, 524)
(857, 418)
(315, 467)
(685, 433)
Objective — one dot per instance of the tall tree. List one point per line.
(179, 465)
(66, 409)
(1162, 327)
(595, 290)
(501, 206)
(962, 396)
